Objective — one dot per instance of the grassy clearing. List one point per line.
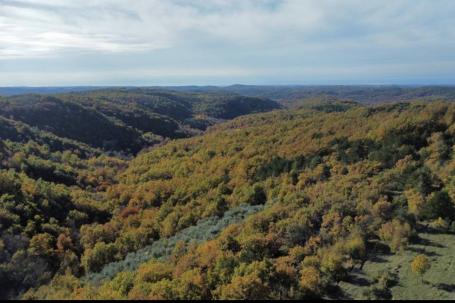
(438, 281)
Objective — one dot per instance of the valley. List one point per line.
(158, 194)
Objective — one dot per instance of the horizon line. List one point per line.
(227, 85)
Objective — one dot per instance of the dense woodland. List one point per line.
(366, 94)
(103, 197)
(369, 94)
(128, 120)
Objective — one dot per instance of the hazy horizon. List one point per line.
(230, 85)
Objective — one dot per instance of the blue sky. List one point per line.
(221, 42)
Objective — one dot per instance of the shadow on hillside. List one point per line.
(336, 293)
(424, 252)
(427, 242)
(359, 281)
(446, 287)
(425, 228)
(377, 259)
(378, 247)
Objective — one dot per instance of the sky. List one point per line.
(223, 42)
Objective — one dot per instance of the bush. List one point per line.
(395, 234)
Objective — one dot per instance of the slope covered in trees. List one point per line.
(55, 169)
(337, 185)
(359, 93)
(128, 120)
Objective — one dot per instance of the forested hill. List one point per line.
(128, 120)
(22, 90)
(289, 204)
(366, 94)
(358, 93)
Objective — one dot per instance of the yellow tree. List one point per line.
(415, 201)
(420, 264)
(310, 280)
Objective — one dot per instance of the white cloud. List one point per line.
(46, 27)
(218, 38)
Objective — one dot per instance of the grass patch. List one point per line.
(438, 282)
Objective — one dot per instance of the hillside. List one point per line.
(288, 93)
(128, 120)
(22, 90)
(298, 204)
(71, 120)
(358, 93)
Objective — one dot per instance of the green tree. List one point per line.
(94, 259)
(439, 205)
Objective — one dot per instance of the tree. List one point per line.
(154, 271)
(247, 287)
(94, 259)
(310, 280)
(332, 264)
(251, 281)
(439, 205)
(420, 264)
(42, 245)
(257, 195)
(123, 282)
(355, 247)
(64, 242)
(415, 201)
(191, 285)
(395, 234)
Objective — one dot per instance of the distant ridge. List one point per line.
(20, 90)
(357, 93)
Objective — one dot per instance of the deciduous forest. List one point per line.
(154, 193)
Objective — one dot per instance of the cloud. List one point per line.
(46, 27)
(231, 35)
